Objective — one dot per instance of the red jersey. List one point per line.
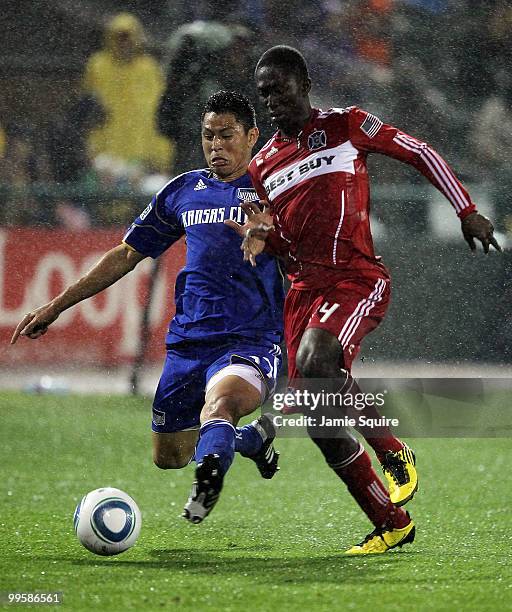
(318, 189)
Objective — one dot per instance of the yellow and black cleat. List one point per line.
(382, 540)
(400, 472)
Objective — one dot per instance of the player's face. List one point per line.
(285, 96)
(227, 146)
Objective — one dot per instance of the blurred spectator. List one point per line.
(128, 83)
(499, 35)
(492, 139)
(3, 142)
(67, 147)
(335, 59)
(71, 216)
(425, 64)
(24, 165)
(69, 159)
(423, 108)
(433, 6)
(204, 56)
(371, 27)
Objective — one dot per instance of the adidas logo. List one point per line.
(200, 185)
(272, 151)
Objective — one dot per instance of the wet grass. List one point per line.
(272, 545)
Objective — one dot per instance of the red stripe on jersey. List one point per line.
(439, 169)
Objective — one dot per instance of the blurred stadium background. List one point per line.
(100, 106)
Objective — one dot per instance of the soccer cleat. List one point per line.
(267, 457)
(381, 540)
(205, 490)
(400, 472)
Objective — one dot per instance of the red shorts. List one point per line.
(350, 309)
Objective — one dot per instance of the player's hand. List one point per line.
(477, 226)
(35, 324)
(254, 231)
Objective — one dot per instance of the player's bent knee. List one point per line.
(319, 355)
(172, 451)
(222, 407)
(171, 462)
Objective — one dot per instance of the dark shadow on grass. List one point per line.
(335, 568)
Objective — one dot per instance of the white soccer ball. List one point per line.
(107, 521)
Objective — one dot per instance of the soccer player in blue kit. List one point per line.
(223, 350)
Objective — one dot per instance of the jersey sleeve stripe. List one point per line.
(439, 169)
(444, 177)
(451, 177)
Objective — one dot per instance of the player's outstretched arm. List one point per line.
(110, 268)
(370, 134)
(477, 226)
(254, 231)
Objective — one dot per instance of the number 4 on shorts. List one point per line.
(327, 310)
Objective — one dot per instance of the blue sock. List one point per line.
(248, 441)
(217, 437)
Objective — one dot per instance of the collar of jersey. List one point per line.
(307, 126)
(226, 184)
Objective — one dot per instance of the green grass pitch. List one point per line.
(268, 545)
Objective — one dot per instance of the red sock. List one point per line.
(380, 437)
(383, 445)
(369, 492)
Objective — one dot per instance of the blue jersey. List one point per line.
(217, 294)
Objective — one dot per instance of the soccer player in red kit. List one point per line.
(314, 177)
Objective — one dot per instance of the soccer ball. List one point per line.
(107, 521)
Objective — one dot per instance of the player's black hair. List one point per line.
(287, 58)
(232, 102)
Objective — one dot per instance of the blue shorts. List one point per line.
(189, 366)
